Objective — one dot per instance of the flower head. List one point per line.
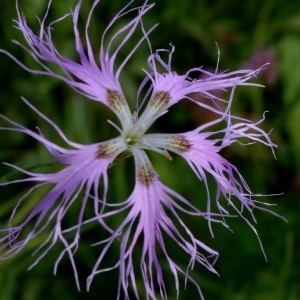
(153, 211)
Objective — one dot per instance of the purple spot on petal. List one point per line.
(160, 100)
(179, 143)
(145, 174)
(115, 100)
(106, 150)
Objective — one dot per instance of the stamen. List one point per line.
(128, 140)
(167, 155)
(114, 125)
(134, 116)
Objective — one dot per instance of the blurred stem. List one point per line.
(288, 257)
(262, 26)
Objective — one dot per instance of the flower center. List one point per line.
(131, 139)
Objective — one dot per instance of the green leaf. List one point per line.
(289, 64)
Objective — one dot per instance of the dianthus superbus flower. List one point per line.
(153, 212)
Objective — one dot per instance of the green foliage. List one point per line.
(240, 28)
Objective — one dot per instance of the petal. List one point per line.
(153, 211)
(98, 82)
(82, 170)
(167, 88)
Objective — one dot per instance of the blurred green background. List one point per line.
(248, 33)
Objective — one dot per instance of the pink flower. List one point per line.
(153, 210)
